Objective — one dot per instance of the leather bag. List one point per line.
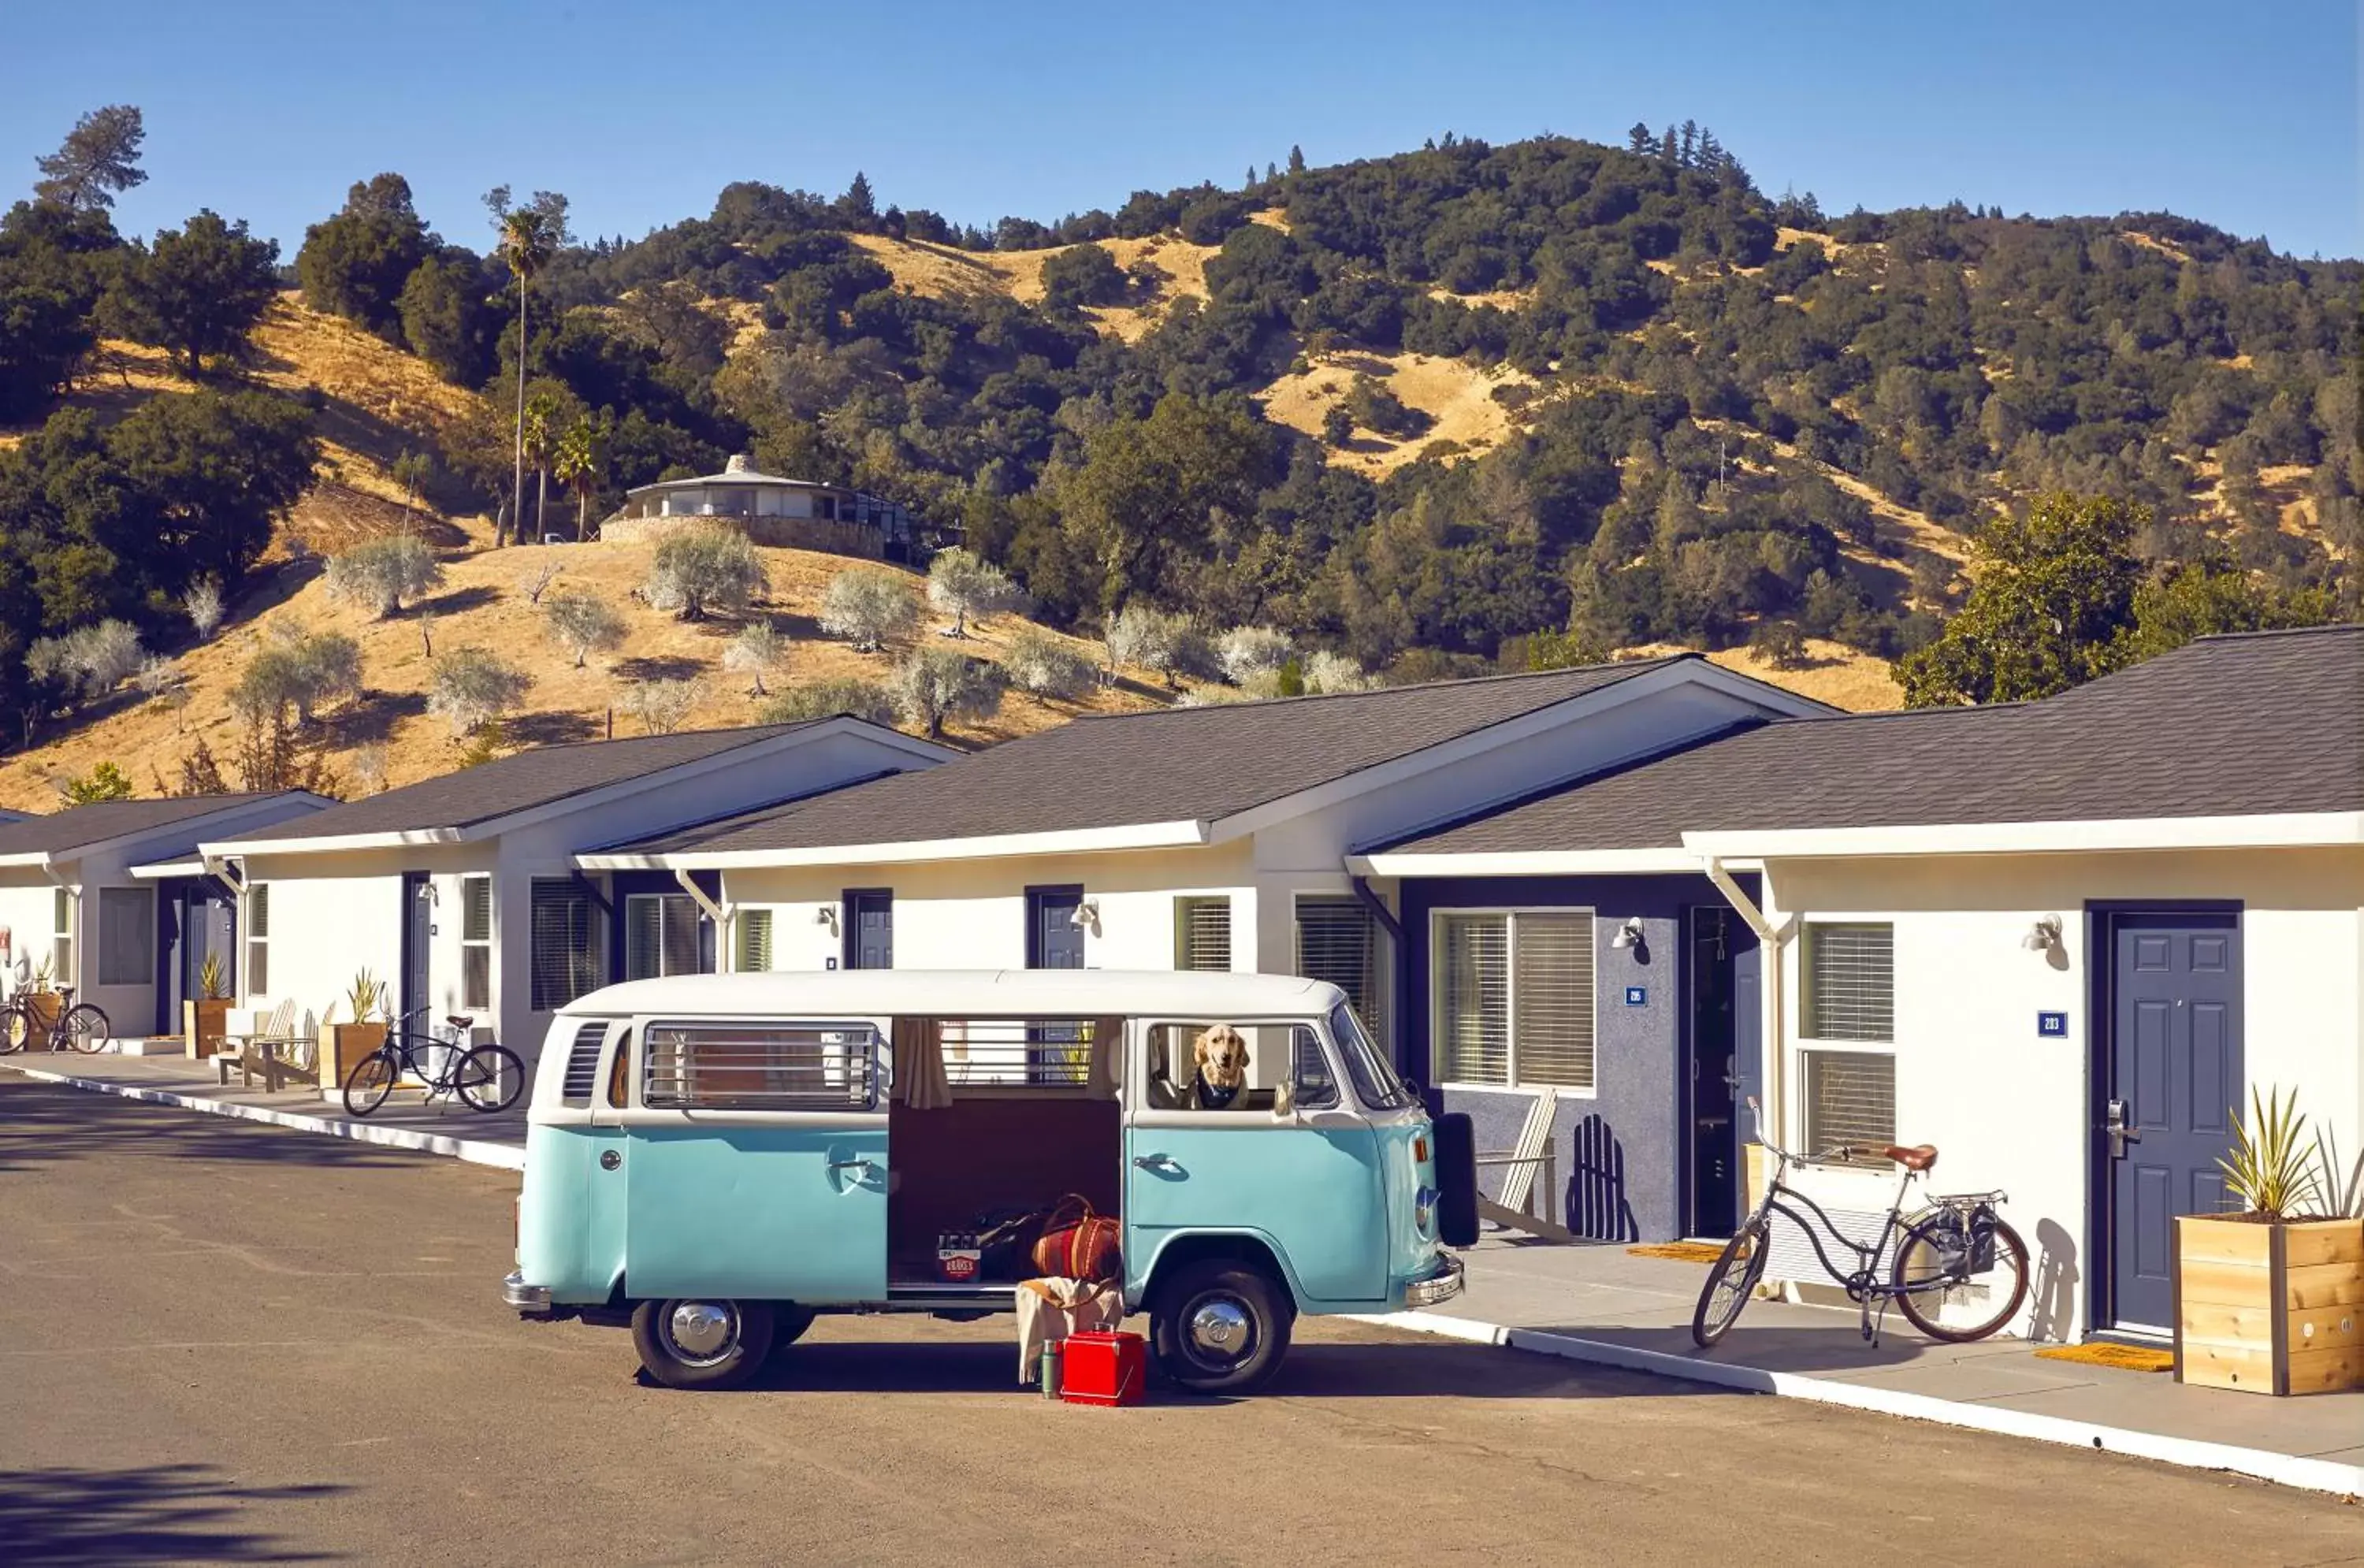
(1078, 1243)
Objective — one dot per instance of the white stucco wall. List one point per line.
(2009, 1109)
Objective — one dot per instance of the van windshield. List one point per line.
(1375, 1083)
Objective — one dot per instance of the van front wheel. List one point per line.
(1220, 1328)
(688, 1343)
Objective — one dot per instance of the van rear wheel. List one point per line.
(692, 1343)
(1220, 1327)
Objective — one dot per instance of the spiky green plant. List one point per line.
(2339, 1186)
(213, 983)
(364, 996)
(2269, 1171)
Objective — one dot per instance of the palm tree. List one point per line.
(581, 461)
(531, 236)
(537, 435)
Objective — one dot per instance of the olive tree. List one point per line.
(868, 608)
(1160, 641)
(936, 685)
(963, 585)
(305, 672)
(1042, 665)
(662, 707)
(379, 574)
(704, 568)
(202, 605)
(1331, 672)
(846, 695)
(91, 659)
(583, 624)
(1250, 655)
(471, 687)
(758, 647)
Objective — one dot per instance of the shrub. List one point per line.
(868, 608)
(471, 687)
(707, 567)
(1038, 663)
(662, 707)
(1248, 652)
(583, 624)
(1781, 643)
(91, 659)
(1330, 673)
(161, 681)
(936, 685)
(105, 782)
(1081, 275)
(380, 574)
(1372, 406)
(1155, 640)
(369, 768)
(757, 647)
(963, 585)
(202, 605)
(826, 699)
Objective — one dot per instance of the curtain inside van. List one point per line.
(919, 1079)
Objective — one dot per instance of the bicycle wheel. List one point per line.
(1730, 1282)
(84, 1028)
(490, 1077)
(16, 1029)
(371, 1081)
(1928, 1283)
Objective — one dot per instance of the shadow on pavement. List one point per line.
(1833, 1347)
(176, 1513)
(51, 1122)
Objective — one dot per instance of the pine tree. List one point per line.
(1296, 161)
(1710, 156)
(1271, 171)
(1690, 143)
(1667, 149)
(1251, 184)
(1639, 140)
(100, 156)
(858, 205)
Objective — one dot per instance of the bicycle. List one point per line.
(486, 1078)
(79, 1025)
(1954, 1250)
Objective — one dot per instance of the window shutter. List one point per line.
(1850, 1098)
(258, 943)
(682, 947)
(643, 921)
(476, 909)
(755, 940)
(1338, 941)
(565, 956)
(1553, 991)
(127, 935)
(1474, 1040)
(1203, 928)
(1851, 981)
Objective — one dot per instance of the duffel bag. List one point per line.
(1076, 1243)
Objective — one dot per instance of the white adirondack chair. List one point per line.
(1515, 1208)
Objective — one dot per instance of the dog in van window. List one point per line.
(1220, 1079)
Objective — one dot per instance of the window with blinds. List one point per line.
(1850, 982)
(1202, 934)
(1338, 941)
(754, 941)
(61, 941)
(1850, 1098)
(127, 935)
(477, 941)
(565, 956)
(258, 939)
(660, 935)
(1514, 998)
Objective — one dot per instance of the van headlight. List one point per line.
(1423, 1211)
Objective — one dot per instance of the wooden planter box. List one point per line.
(201, 1026)
(2269, 1308)
(45, 1007)
(343, 1045)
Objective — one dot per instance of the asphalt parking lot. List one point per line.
(228, 1342)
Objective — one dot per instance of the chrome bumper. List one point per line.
(528, 1300)
(1441, 1286)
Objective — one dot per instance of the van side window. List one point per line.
(620, 1070)
(723, 1064)
(1220, 1066)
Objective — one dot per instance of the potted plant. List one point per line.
(341, 1045)
(42, 998)
(2270, 1299)
(203, 1017)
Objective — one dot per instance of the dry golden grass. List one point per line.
(2166, 248)
(1458, 395)
(481, 603)
(1513, 300)
(945, 271)
(1843, 677)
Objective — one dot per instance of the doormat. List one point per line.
(1681, 1252)
(2099, 1352)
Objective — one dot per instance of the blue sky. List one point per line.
(2243, 115)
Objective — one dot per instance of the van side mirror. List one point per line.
(1284, 1100)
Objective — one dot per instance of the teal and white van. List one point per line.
(719, 1158)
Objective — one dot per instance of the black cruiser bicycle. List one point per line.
(485, 1077)
(1953, 1253)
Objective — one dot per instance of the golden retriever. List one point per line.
(1221, 1080)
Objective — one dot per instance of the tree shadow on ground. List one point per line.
(660, 667)
(475, 597)
(555, 728)
(371, 717)
(173, 1513)
(53, 1122)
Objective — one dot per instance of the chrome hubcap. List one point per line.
(1221, 1329)
(702, 1332)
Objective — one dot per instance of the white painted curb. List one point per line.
(2286, 1469)
(503, 1156)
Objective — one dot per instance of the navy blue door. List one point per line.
(1722, 970)
(869, 928)
(1054, 939)
(2172, 1071)
(418, 938)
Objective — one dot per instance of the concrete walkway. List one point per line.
(1600, 1303)
(403, 1122)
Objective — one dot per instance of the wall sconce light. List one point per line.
(1629, 935)
(2044, 936)
(826, 915)
(1087, 916)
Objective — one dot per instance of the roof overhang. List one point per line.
(1075, 841)
(341, 842)
(156, 871)
(1542, 862)
(2298, 829)
(33, 858)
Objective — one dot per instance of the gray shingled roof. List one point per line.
(516, 783)
(78, 827)
(2252, 725)
(1167, 765)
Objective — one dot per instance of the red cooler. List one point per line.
(1104, 1368)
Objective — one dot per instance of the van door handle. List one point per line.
(1154, 1162)
(865, 1166)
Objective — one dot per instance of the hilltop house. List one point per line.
(461, 894)
(110, 898)
(2059, 940)
(769, 510)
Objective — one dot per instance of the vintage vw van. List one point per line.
(719, 1158)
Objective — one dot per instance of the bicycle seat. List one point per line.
(1915, 1157)
(459, 1020)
